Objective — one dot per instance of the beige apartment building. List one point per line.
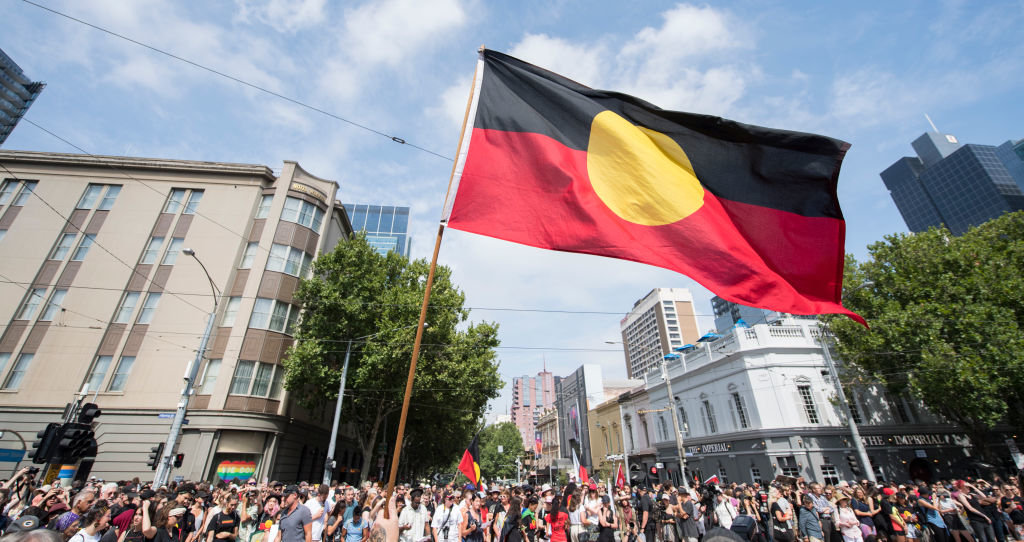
(96, 291)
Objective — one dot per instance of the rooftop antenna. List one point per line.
(934, 129)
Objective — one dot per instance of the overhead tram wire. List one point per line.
(396, 139)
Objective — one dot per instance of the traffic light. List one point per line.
(74, 441)
(45, 444)
(88, 413)
(155, 453)
(854, 464)
(654, 471)
(178, 459)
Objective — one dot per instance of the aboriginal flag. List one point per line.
(749, 212)
(470, 464)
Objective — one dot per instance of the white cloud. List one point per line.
(687, 32)
(282, 15)
(390, 31)
(580, 62)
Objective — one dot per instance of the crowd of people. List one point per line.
(785, 510)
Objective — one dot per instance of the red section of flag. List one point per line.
(620, 478)
(712, 480)
(583, 475)
(530, 189)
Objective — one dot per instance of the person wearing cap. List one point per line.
(296, 523)
(413, 521)
(645, 510)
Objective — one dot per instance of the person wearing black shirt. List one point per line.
(645, 511)
(224, 525)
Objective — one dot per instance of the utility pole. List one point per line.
(869, 471)
(675, 418)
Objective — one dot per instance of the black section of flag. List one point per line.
(789, 171)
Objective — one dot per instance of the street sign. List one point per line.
(9, 455)
(659, 465)
(165, 415)
(501, 449)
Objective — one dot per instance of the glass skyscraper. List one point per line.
(387, 227)
(956, 185)
(17, 92)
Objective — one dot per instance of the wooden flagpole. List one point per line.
(396, 456)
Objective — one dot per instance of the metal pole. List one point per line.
(164, 469)
(854, 432)
(675, 423)
(329, 463)
(625, 452)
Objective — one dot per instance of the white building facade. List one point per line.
(759, 402)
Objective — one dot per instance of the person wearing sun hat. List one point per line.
(847, 520)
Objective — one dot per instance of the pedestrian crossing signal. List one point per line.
(155, 453)
(178, 460)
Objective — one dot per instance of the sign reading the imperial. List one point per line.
(924, 439)
(713, 448)
(309, 190)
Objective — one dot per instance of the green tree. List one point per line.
(946, 316)
(354, 292)
(495, 464)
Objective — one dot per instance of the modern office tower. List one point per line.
(17, 92)
(662, 320)
(531, 396)
(956, 185)
(387, 227)
(99, 293)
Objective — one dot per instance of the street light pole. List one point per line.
(163, 470)
(675, 418)
(331, 446)
(862, 453)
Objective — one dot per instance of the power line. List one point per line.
(396, 139)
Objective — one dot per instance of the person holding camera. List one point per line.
(447, 519)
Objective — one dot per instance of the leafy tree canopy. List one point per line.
(370, 303)
(947, 321)
(494, 464)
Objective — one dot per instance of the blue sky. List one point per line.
(865, 72)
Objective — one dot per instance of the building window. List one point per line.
(807, 399)
(117, 383)
(148, 308)
(173, 249)
(109, 198)
(741, 413)
(7, 189)
(230, 310)
(209, 377)
(723, 477)
(629, 431)
(789, 467)
(64, 245)
(900, 409)
(302, 212)
(755, 475)
(647, 437)
(18, 371)
(829, 475)
(152, 250)
(685, 421)
(257, 379)
(124, 312)
(193, 202)
(174, 200)
(99, 372)
(28, 309)
(243, 377)
(92, 193)
(274, 315)
(662, 428)
(854, 408)
(83, 247)
(4, 358)
(26, 190)
(285, 259)
(263, 211)
(53, 306)
(248, 255)
(3, 233)
(710, 423)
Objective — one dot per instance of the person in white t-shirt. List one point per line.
(447, 519)
(316, 511)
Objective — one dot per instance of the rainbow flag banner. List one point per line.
(229, 470)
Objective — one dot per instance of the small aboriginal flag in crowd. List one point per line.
(470, 464)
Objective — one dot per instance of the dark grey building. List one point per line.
(17, 92)
(956, 185)
(574, 396)
(386, 226)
